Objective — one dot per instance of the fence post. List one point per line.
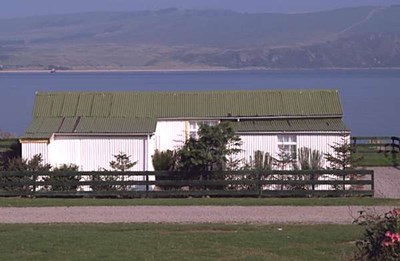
(373, 181)
(393, 145)
(259, 186)
(344, 179)
(354, 144)
(147, 185)
(34, 179)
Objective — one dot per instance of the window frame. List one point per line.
(194, 126)
(289, 141)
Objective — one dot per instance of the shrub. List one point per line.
(22, 165)
(104, 179)
(59, 178)
(164, 160)
(381, 240)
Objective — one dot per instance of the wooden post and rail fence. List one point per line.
(255, 183)
(380, 144)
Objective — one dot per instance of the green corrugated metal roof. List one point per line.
(326, 124)
(36, 136)
(45, 127)
(188, 104)
(116, 125)
(137, 112)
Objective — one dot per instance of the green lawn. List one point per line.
(177, 242)
(371, 158)
(42, 202)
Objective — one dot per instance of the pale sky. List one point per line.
(14, 8)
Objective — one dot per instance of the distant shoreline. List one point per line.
(199, 70)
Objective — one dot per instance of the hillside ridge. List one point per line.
(356, 37)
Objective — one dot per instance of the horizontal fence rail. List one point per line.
(377, 144)
(255, 183)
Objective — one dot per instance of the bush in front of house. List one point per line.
(381, 239)
(166, 161)
(62, 180)
(19, 164)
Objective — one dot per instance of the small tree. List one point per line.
(211, 150)
(342, 156)
(284, 159)
(122, 162)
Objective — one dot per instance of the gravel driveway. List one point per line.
(186, 214)
(387, 182)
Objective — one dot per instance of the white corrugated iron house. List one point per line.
(88, 128)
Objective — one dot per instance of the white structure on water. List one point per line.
(88, 128)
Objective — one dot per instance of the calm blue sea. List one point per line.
(370, 98)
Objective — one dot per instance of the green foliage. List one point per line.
(22, 165)
(63, 179)
(33, 165)
(310, 159)
(211, 150)
(342, 157)
(284, 160)
(164, 160)
(381, 239)
(105, 178)
(9, 148)
(263, 161)
(122, 162)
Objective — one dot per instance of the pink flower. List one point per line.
(392, 237)
(395, 212)
(387, 244)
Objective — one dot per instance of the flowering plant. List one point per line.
(381, 240)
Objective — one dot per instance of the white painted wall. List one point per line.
(30, 149)
(321, 142)
(269, 143)
(170, 135)
(252, 143)
(93, 153)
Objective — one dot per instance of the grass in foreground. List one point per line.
(45, 202)
(177, 242)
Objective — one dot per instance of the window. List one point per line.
(288, 145)
(195, 125)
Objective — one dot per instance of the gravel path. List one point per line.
(191, 214)
(387, 182)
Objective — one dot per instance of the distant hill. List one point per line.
(360, 37)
